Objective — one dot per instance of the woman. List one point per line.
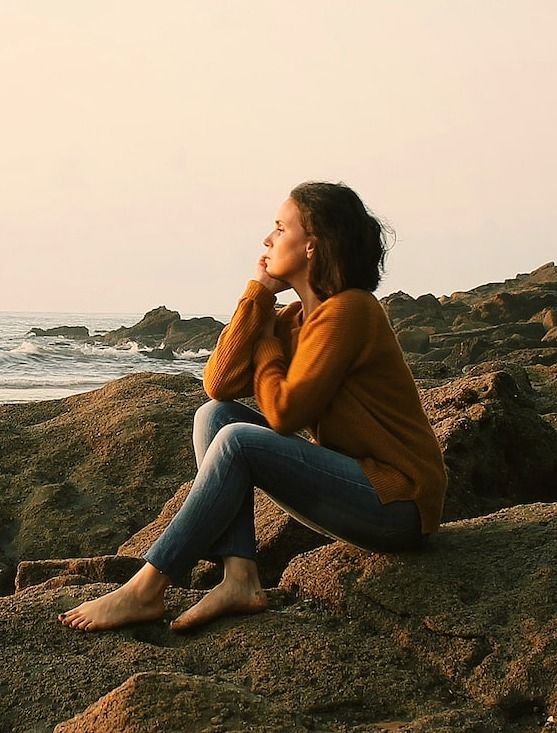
(373, 473)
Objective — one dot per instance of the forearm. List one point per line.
(229, 371)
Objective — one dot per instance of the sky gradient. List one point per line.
(146, 146)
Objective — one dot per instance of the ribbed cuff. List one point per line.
(257, 292)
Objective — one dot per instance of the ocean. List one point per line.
(36, 368)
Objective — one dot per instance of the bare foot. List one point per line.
(225, 599)
(118, 608)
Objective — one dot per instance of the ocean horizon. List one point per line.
(35, 368)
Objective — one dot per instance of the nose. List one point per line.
(267, 241)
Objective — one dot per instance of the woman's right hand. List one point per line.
(272, 283)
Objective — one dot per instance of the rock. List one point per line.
(551, 336)
(279, 539)
(460, 636)
(507, 307)
(544, 354)
(517, 372)
(544, 384)
(547, 317)
(497, 449)
(413, 340)
(80, 475)
(165, 353)
(175, 702)
(544, 278)
(193, 334)
(105, 569)
(479, 605)
(468, 351)
(79, 332)
(398, 306)
(149, 331)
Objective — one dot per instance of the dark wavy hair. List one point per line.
(350, 241)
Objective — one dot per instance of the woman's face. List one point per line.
(288, 246)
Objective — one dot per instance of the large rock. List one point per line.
(101, 569)
(459, 637)
(149, 331)
(479, 605)
(78, 476)
(543, 278)
(175, 702)
(519, 306)
(193, 334)
(79, 332)
(497, 449)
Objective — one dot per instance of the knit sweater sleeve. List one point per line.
(329, 344)
(229, 371)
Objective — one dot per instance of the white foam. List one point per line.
(27, 348)
(193, 354)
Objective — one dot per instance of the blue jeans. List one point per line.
(235, 450)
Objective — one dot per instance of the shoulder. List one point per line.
(347, 305)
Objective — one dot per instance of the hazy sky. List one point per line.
(146, 146)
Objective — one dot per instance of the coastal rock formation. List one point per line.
(148, 332)
(478, 606)
(192, 334)
(75, 332)
(508, 320)
(161, 331)
(164, 330)
(497, 449)
(79, 475)
(460, 636)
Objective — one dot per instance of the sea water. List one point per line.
(50, 367)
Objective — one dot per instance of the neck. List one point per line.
(309, 299)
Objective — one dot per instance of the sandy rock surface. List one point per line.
(78, 476)
(440, 640)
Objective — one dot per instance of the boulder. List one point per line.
(80, 475)
(479, 604)
(105, 569)
(414, 340)
(551, 336)
(460, 636)
(193, 334)
(497, 449)
(165, 353)
(149, 331)
(79, 332)
(518, 306)
(543, 278)
(544, 354)
(544, 384)
(176, 702)
(398, 306)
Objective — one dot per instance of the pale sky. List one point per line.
(146, 146)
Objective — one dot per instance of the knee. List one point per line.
(237, 435)
(208, 413)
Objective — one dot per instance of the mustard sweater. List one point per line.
(342, 376)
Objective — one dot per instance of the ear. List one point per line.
(310, 248)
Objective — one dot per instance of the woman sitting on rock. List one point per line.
(372, 474)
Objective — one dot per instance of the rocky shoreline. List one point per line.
(461, 636)
(161, 334)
